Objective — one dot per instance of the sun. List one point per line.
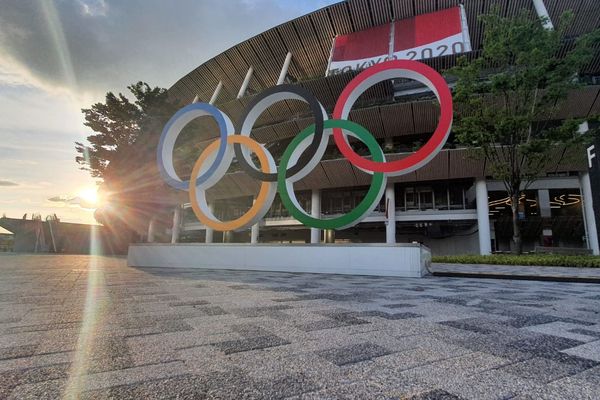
(89, 196)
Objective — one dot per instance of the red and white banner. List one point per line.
(425, 36)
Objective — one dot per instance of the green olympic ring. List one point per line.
(366, 206)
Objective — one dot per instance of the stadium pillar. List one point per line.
(209, 232)
(390, 213)
(284, 69)
(151, 230)
(542, 12)
(254, 231)
(483, 217)
(588, 213)
(242, 91)
(315, 212)
(216, 93)
(176, 229)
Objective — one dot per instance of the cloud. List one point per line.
(101, 45)
(8, 183)
(58, 56)
(72, 201)
(94, 8)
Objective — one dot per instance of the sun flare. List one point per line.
(90, 196)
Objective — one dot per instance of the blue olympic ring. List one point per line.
(171, 132)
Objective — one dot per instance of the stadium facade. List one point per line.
(451, 204)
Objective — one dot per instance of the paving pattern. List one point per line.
(92, 328)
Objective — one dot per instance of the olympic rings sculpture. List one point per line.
(305, 150)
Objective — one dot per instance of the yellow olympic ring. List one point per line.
(266, 188)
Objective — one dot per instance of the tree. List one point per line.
(507, 99)
(117, 124)
(122, 153)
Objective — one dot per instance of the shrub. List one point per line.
(524, 259)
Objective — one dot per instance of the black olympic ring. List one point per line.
(255, 109)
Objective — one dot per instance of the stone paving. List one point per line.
(92, 328)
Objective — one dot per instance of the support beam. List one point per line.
(284, 69)
(209, 235)
(246, 82)
(542, 12)
(329, 236)
(483, 217)
(589, 217)
(254, 231)
(544, 203)
(588, 213)
(216, 93)
(176, 229)
(390, 213)
(315, 212)
(209, 231)
(151, 230)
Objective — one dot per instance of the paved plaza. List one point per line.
(92, 328)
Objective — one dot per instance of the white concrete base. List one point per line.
(405, 260)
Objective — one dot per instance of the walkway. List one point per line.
(94, 328)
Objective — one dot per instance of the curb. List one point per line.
(546, 278)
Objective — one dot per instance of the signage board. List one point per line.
(424, 36)
(594, 171)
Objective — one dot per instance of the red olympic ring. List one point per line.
(390, 70)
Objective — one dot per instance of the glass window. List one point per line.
(565, 202)
(410, 198)
(425, 198)
(456, 194)
(440, 192)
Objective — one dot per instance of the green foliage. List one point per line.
(508, 96)
(507, 99)
(118, 123)
(524, 259)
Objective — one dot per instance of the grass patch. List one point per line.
(552, 260)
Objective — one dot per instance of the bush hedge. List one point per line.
(524, 259)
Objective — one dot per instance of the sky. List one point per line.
(59, 56)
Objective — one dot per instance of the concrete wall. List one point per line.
(468, 244)
(404, 260)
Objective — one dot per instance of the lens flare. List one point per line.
(90, 196)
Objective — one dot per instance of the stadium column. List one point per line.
(151, 230)
(588, 212)
(483, 217)
(216, 93)
(209, 232)
(175, 230)
(315, 212)
(390, 211)
(284, 69)
(244, 86)
(589, 217)
(254, 231)
(542, 12)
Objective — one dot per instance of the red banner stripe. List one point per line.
(404, 34)
(436, 26)
(408, 33)
(369, 43)
(426, 28)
